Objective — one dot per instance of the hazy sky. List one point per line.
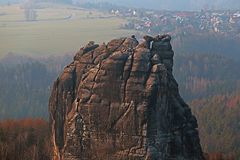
(180, 4)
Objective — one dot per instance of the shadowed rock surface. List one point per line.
(120, 101)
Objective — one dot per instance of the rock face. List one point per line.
(120, 101)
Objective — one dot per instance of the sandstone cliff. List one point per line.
(120, 101)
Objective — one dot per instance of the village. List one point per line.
(181, 22)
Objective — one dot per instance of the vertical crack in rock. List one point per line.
(121, 101)
(126, 77)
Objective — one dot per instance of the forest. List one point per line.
(26, 82)
(29, 139)
(25, 139)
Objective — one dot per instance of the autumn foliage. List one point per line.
(219, 156)
(26, 139)
(218, 120)
(29, 139)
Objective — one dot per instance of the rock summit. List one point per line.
(120, 101)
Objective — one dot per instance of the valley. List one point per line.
(56, 31)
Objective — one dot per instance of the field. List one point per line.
(57, 29)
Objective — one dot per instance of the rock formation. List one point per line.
(120, 101)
